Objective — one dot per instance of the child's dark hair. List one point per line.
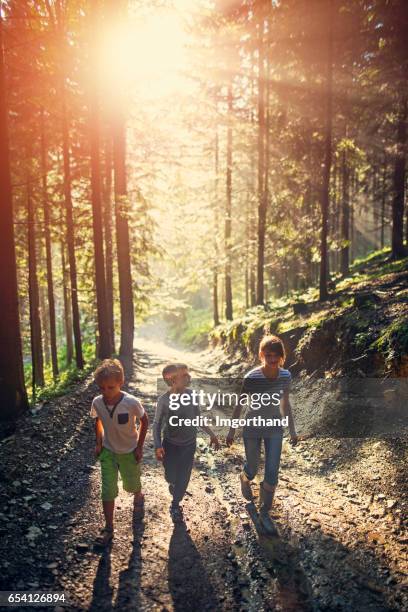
(273, 344)
(109, 368)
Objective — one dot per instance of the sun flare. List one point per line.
(147, 54)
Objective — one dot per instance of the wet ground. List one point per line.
(343, 543)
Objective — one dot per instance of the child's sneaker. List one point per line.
(176, 513)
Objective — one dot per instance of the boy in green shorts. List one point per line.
(119, 444)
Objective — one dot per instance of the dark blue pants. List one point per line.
(178, 463)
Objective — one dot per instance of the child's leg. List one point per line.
(273, 450)
(109, 472)
(252, 456)
(108, 510)
(185, 461)
(130, 473)
(170, 462)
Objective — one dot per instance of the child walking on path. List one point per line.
(274, 381)
(179, 440)
(119, 444)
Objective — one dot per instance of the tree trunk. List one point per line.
(345, 217)
(104, 347)
(12, 387)
(267, 133)
(383, 199)
(228, 211)
(398, 199)
(48, 255)
(325, 197)
(122, 238)
(45, 323)
(253, 246)
(107, 222)
(56, 21)
(37, 359)
(216, 315)
(248, 258)
(261, 158)
(71, 237)
(67, 309)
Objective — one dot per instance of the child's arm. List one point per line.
(236, 413)
(99, 436)
(287, 411)
(213, 438)
(144, 424)
(157, 428)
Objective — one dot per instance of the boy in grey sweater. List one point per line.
(177, 448)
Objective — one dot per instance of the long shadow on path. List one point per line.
(128, 593)
(189, 583)
(102, 592)
(128, 597)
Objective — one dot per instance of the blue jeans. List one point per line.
(273, 449)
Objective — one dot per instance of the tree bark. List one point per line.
(216, 316)
(45, 324)
(228, 211)
(345, 216)
(267, 132)
(325, 196)
(122, 238)
(104, 347)
(261, 157)
(37, 359)
(48, 255)
(67, 309)
(107, 222)
(383, 200)
(71, 237)
(398, 200)
(12, 387)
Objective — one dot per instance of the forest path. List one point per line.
(336, 552)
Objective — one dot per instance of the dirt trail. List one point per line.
(339, 550)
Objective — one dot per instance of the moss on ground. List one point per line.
(279, 317)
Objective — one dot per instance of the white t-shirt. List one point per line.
(120, 432)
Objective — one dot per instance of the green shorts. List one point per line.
(111, 465)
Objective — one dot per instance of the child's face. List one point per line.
(182, 378)
(110, 388)
(270, 358)
(170, 378)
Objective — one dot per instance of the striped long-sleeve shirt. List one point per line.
(255, 382)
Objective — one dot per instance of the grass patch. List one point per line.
(194, 329)
(393, 341)
(67, 379)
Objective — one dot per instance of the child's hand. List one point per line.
(293, 440)
(98, 450)
(138, 453)
(230, 437)
(160, 454)
(215, 442)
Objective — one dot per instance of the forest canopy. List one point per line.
(179, 162)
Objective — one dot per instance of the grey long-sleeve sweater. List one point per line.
(177, 433)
